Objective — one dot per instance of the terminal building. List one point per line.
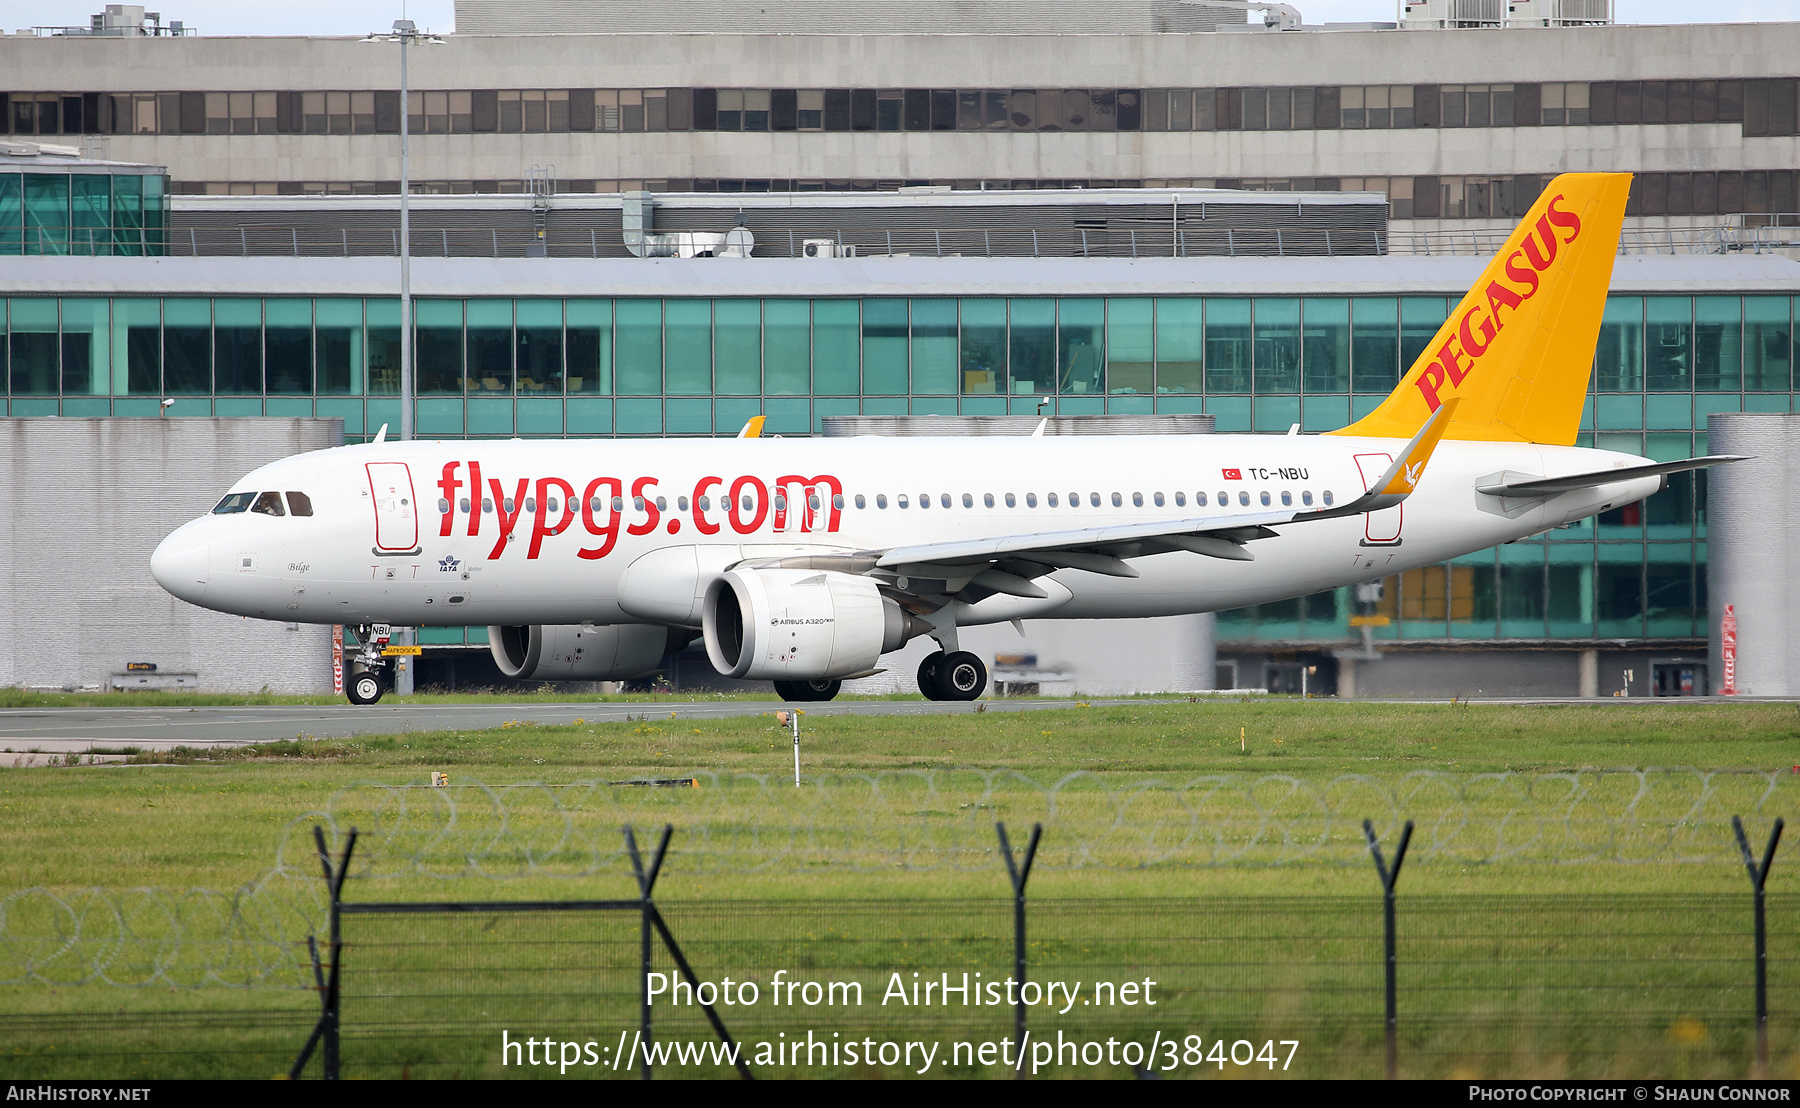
(1144, 246)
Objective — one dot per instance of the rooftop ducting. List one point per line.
(638, 215)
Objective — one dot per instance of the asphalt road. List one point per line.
(63, 730)
(81, 729)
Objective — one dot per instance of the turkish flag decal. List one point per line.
(1233, 475)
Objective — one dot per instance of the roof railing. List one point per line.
(1754, 233)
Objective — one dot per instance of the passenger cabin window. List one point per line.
(881, 500)
(233, 503)
(269, 504)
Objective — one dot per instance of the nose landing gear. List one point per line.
(364, 687)
(956, 675)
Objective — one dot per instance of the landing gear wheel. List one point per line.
(962, 676)
(930, 674)
(806, 691)
(364, 687)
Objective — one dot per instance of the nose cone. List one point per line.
(181, 561)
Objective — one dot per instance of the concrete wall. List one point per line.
(1103, 657)
(1518, 673)
(934, 61)
(85, 503)
(1752, 533)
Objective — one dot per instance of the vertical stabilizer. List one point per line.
(1519, 348)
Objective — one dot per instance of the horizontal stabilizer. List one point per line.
(1518, 485)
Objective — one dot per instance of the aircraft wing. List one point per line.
(1524, 485)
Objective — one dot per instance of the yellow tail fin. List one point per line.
(1518, 349)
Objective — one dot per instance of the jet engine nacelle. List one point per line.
(800, 624)
(574, 653)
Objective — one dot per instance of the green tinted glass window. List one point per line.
(1326, 345)
(1619, 352)
(884, 347)
(538, 347)
(836, 366)
(437, 348)
(339, 346)
(737, 346)
(130, 233)
(1032, 347)
(137, 347)
(1277, 351)
(1718, 343)
(1129, 350)
(90, 207)
(237, 346)
(287, 346)
(1081, 346)
(588, 333)
(383, 345)
(1227, 345)
(85, 348)
(640, 347)
(934, 348)
(982, 347)
(490, 346)
(32, 346)
(1179, 331)
(12, 214)
(787, 347)
(1768, 343)
(46, 213)
(1668, 344)
(187, 347)
(688, 339)
(1374, 344)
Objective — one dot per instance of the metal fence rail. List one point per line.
(416, 838)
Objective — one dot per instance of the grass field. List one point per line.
(217, 820)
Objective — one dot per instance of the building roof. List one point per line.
(901, 276)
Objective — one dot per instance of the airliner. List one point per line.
(805, 561)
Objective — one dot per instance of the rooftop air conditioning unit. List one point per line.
(825, 248)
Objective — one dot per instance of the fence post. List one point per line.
(326, 1030)
(1020, 874)
(1388, 880)
(1759, 877)
(646, 879)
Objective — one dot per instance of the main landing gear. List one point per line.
(956, 675)
(807, 690)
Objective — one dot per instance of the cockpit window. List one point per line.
(234, 502)
(269, 504)
(299, 503)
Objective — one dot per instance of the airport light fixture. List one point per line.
(406, 33)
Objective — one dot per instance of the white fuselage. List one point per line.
(542, 543)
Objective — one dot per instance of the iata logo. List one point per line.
(448, 565)
(1457, 357)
